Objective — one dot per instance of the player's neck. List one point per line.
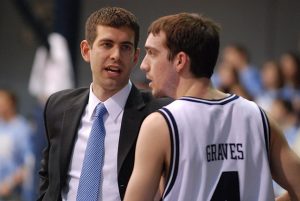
(198, 88)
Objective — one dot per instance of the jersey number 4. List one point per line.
(228, 187)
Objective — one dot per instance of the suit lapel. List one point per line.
(70, 124)
(131, 121)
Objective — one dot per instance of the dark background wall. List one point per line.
(266, 27)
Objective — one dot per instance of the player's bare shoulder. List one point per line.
(154, 124)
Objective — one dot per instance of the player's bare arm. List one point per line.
(284, 197)
(285, 164)
(151, 154)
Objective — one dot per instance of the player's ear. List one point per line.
(85, 50)
(181, 60)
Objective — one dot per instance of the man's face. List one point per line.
(159, 69)
(112, 57)
(233, 57)
(6, 105)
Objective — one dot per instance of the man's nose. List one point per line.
(144, 65)
(115, 53)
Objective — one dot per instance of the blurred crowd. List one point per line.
(16, 153)
(275, 87)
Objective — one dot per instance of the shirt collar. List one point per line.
(114, 105)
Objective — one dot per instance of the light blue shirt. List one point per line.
(14, 146)
(250, 79)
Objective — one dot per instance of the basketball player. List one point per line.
(206, 145)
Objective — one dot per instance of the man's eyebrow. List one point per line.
(111, 41)
(127, 43)
(106, 40)
(151, 48)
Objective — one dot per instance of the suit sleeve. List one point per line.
(43, 172)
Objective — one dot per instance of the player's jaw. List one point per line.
(154, 86)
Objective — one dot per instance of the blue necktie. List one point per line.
(91, 173)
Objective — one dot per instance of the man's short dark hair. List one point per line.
(113, 17)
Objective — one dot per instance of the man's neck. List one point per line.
(198, 88)
(103, 94)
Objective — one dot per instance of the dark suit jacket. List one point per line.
(62, 115)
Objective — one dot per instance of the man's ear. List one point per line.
(136, 55)
(85, 50)
(181, 60)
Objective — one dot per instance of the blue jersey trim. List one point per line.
(174, 136)
(210, 102)
(266, 126)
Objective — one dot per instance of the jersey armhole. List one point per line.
(173, 131)
(266, 127)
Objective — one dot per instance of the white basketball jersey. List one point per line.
(219, 150)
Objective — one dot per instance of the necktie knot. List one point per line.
(100, 110)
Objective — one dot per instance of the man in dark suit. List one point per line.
(110, 47)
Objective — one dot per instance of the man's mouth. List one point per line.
(113, 69)
(148, 78)
(149, 81)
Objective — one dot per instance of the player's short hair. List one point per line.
(193, 34)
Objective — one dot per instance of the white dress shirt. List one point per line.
(112, 123)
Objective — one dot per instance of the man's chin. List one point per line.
(158, 94)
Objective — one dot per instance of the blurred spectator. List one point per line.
(296, 146)
(284, 114)
(15, 150)
(272, 82)
(296, 108)
(229, 81)
(290, 64)
(237, 56)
